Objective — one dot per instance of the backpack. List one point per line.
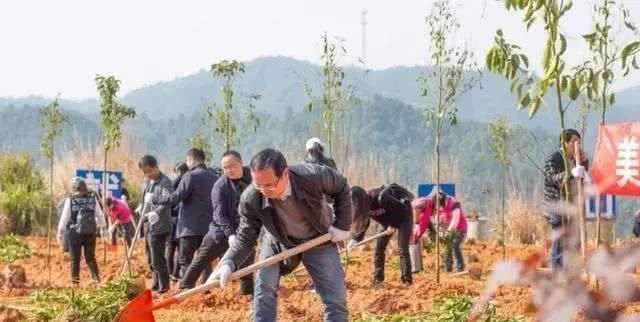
(83, 220)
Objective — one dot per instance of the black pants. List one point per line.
(77, 243)
(172, 259)
(209, 251)
(155, 245)
(404, 235)
(123, 230)
(188, 247)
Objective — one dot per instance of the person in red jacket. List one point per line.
(120, 214)
(452, 223)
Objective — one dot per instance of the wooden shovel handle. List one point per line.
(389, 231)
(252, 268)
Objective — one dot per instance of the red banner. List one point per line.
(616, 166)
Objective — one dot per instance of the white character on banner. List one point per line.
(628, 162)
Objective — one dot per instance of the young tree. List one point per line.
(113, 115)
(336, 96)
(453, 74)
(51, 121)
(601, 68)
(223, 119)
(500, 132)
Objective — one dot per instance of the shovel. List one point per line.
(127, 264)
(142, 307)
(388, 231)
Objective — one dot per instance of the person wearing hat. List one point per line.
(81, 221)
(173, 244)
(315, 154)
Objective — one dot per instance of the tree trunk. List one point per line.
(105, 179)
(437, 207)
(504, 240)
(51, 207)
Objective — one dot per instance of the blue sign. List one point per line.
(606, 204)
(93, 178)
(427, 189)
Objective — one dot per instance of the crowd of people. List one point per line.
(204, 215)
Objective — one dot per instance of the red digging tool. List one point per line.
(142, 307)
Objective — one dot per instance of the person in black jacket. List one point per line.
(225, 197)
(290, 204)
(194, 191)
(554, 189)
(172, 245)
(315, 154)
(390, 206)
(156, 220)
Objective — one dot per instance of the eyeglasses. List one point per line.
(268, 186)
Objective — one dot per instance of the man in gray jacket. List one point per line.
(157, 221)
(290, 203)
(195, 215)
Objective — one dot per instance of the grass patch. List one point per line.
(446, 309)
(12, 249)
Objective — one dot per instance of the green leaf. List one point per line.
(630, 49)
(513, 85)
(546, 57)
(525, 61)
(573, 90)
(534, 107)
(612, 99)
(524, 101)
(563, 45)
(530, 23)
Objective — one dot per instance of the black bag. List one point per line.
(83, 215)
(636, 227)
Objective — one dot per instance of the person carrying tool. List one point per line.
(390, 206)
(289, 203)
(121, 217)
(157, 221)
(173, 244)
(453, 225)
(554, 192)
(225, 197)
(81, 221)
(194, 194)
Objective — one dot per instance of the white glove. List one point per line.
(222, 273)
(152, 217)
(352, 243)
(232, 240)
(112, 229)
(139, 209)
(416, 229)
(148, 197)
(338, 235)
(124, 198)
(578, 172)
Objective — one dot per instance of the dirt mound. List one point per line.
(10, 315)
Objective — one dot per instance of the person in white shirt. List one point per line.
(81, 221)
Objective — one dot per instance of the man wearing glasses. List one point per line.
(289, 202)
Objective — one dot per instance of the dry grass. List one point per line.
(524, 222)
(86, 155)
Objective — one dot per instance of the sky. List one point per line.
(51, 47)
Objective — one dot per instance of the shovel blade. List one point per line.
(138, 310)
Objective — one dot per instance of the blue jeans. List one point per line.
(556, 254)
(455, 251)
(323, 265)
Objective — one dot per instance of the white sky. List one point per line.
(58, 46)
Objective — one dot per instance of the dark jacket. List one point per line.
(309, 185)
(554, 178)
(194, 191)
(326, 162)
(225, 199)
(160, 188)
(389, 205)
